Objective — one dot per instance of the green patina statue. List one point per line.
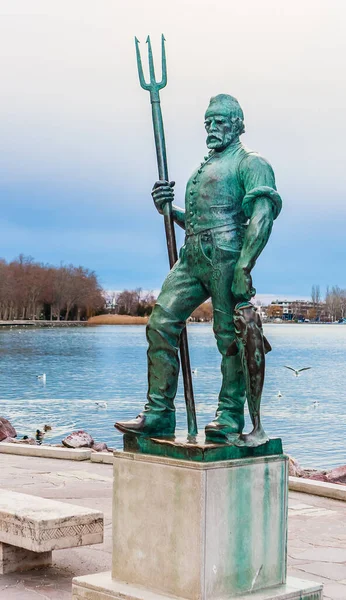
(230, 205)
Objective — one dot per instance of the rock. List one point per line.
(337, 475)
(317, 476)
(294, 470)
(78, 439)
(30, 441)
(6, 429)
(100, 447)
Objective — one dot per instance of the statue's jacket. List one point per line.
(220, 194)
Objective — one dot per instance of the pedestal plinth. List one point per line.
(198, 530)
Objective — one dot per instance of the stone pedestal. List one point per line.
(198, 531)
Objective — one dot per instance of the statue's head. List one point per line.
(224, 121)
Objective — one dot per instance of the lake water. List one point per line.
(108, 363)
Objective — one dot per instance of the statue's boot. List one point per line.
(229, 418)
(149, 423)
(158, 416)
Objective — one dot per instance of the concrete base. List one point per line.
(102, 457)
(101, 586)
(318, 488)
(199, 530)
(45, 451)
(13, 559)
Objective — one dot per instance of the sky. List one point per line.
(77, 158)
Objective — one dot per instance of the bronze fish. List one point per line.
(252, 346)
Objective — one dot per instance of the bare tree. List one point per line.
(336, 303)
(29, 290)
(204, 312)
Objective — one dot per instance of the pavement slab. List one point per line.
(334, 591)
(316, 529)
(334, 572)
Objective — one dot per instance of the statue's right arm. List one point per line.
(162, 193)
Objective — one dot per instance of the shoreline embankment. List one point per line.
(117, 320)
(42, 323)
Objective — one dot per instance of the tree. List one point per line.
(32, 290)
(336, 303)
(316, 300)
(204, 312)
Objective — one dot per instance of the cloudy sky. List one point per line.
(77, 156)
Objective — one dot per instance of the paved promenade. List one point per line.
(316, 546)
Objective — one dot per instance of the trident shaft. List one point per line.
(154, 88)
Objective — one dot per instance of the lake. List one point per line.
(108, 363)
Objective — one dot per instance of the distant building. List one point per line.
(297, 310)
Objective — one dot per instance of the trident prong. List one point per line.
(163, 81)
(144, 85)
(153, 87)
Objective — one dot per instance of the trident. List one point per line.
(154, 88)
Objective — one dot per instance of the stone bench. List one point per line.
(32, 527)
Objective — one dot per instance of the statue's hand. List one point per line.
(242, 284)
(162, 193)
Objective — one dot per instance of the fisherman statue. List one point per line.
(230, 205)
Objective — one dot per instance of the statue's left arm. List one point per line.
(261, 204)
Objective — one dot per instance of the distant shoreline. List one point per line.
(121, 320)
(39, 323)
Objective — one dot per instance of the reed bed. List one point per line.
(117, 320)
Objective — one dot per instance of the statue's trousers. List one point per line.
(205, 269)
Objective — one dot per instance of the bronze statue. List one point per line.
(230, 205)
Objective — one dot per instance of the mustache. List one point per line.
(213, 136)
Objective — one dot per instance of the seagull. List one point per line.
(315, 403)
(194, 371)
(101, 404)
(279, 394)
(42, 377)
(297, 371)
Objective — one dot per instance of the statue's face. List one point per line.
(219, 128)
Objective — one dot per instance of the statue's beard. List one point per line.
(216, 142)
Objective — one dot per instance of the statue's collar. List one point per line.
(231, 149)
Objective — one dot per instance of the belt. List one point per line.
(229, 227)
